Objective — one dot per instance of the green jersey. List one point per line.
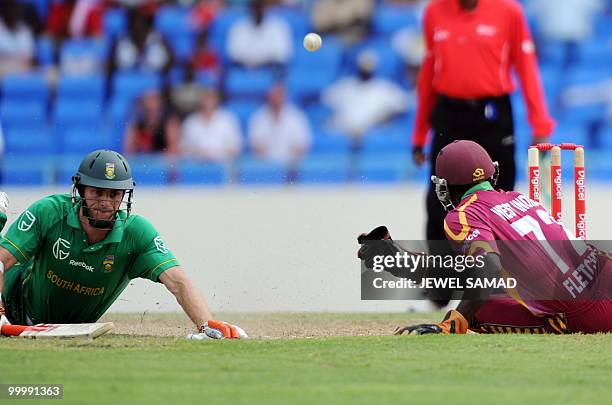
(64, 279)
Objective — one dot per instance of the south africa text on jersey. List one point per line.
(74, 287)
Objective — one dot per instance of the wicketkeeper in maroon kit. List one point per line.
(563, 284)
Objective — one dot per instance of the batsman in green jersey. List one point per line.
(68, 257)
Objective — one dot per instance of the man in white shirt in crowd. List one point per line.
(16, 40)
(361, 102)
(260, 39)
(279, 132)
(212, 133)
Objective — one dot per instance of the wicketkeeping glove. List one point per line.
(218, 330)
(453, 323)
(367, 251)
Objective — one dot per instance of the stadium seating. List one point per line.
(243, 109)
(242, 82)
(327, 170)
(114, 22)
(198, 173)
(258, 172)
(25, 87)
(69, 117)
(71, 113)
(89, 52)
(390, 18)
(384, 168)
(29, 142)
(128, 85)
(22, 114)
(83, 88)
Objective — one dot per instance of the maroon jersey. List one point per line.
(555, 272)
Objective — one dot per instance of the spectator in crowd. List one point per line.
(204, 57)
(409, 44)
(279, 132)
(260, 39)
(153, 128)
(143, 48)
(361, 102)
(569, 22)
(349, 18)
(204, 13)
(212, 133)
(16, 40)
(186, 96)
(74, 19)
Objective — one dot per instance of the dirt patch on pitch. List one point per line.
(272, 325)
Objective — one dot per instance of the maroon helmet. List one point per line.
(462, 163)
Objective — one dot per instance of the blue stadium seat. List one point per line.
(331, 169)
(596, 52)
(95, 49)
(306, 85)
(221, 25)
(249, 82)
(243, 109)
(182, 44)
(130, 85)
(297, 19)
(568, 131)
(317, 114)
(252, 171)
(588, 74)
(115, 22)
(389, 63)
(326, 59)
(172, 20)
(66, 167)
(387, 138)
(72, 113)
(22, 114)
(29, 141)
(198, 173)
(45, 52)
(330, 144)
(151, 170)
(83, 140)
(581, 115)
(86, 88)
(390, 18)
(207, 78)
(384, 168)
(606, 138)
(25, 87)
(23, 175)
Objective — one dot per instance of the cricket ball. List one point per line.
(312, 42)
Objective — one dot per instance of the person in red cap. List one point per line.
(464, 85)
(562, 284)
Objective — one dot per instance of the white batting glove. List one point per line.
(218, 330)
(4, 202)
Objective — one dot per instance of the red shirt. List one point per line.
(469, 55)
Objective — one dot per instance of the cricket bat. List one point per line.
(58, 330)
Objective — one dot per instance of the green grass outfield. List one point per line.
(368, 369)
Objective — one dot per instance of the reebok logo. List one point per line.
(81, 264)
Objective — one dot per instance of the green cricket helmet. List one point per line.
(103, 169)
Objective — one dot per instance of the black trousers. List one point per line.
(486, 121)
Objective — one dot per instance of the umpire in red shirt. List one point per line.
(465, 82)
